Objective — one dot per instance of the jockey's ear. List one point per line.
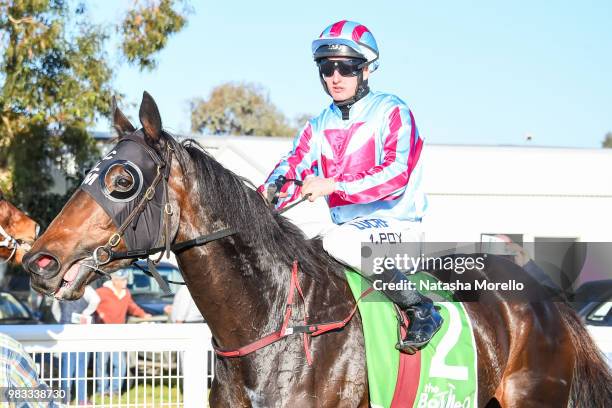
(150, 120)
(120, 123)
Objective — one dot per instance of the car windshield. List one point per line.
(10, 308)
(140, 283)
(602, 314)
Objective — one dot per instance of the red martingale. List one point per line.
(306, 330)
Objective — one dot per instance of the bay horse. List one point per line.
(529, 355)
(17, 232)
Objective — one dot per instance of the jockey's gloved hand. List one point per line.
(271, 192)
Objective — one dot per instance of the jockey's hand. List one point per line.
(317, 187)
(271, 193)
(521, 256)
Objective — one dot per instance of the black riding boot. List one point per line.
(425, 321)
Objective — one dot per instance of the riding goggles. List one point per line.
(346, 67)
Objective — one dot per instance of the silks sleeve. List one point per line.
(298, 164)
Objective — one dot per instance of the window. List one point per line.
(495, 243)
(602, 314)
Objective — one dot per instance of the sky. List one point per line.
(472, 72)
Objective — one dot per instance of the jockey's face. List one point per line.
(341, 87)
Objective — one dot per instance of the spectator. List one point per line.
(184, 309)
(116, 304)
(78, 311)
(522, 258)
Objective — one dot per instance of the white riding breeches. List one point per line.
(344, 241)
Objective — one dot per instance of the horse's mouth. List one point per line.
(73, 279)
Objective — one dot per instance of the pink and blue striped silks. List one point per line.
(373, 157)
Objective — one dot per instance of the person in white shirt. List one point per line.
(78, 311)
(184, 309)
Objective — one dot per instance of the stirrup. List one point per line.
(406, 346)
(402, 322)
(412, 347)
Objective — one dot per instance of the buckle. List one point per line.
(114, 240)
(105, 252)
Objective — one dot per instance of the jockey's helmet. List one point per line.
(347, 39)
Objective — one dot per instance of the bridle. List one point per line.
(105, 254)
(8, 241)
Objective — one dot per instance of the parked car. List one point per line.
(593, 302)
(13, 311)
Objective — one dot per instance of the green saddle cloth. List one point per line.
(447, 366)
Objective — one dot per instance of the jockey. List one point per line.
(362, 154)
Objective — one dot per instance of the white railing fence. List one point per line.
(133, 365)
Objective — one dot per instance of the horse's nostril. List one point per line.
(44, 261)
(43, 264)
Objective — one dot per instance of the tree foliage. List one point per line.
(56, 79)
(607, 140)
(239, 109)
(146, 29)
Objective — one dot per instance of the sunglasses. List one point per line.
(347, 68)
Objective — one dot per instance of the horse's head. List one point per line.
(119, 207)
(17, 232)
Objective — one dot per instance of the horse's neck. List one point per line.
(241, 287)
(240, 302)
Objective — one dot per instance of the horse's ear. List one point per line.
(150, 119)
(121, 124)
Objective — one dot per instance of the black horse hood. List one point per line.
(138, 159)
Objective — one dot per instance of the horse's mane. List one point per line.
(235, 202)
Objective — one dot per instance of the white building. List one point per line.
(528, 192)
(536, 195)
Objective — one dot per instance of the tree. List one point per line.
(301, 119)
(56, 79)
(607, 140)
(239, 109)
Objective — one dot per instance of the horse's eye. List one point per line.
(123, 182)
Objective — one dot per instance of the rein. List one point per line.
(278, 185)
(110, 255)
(105, 254)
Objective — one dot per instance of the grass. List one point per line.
(144, 395)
